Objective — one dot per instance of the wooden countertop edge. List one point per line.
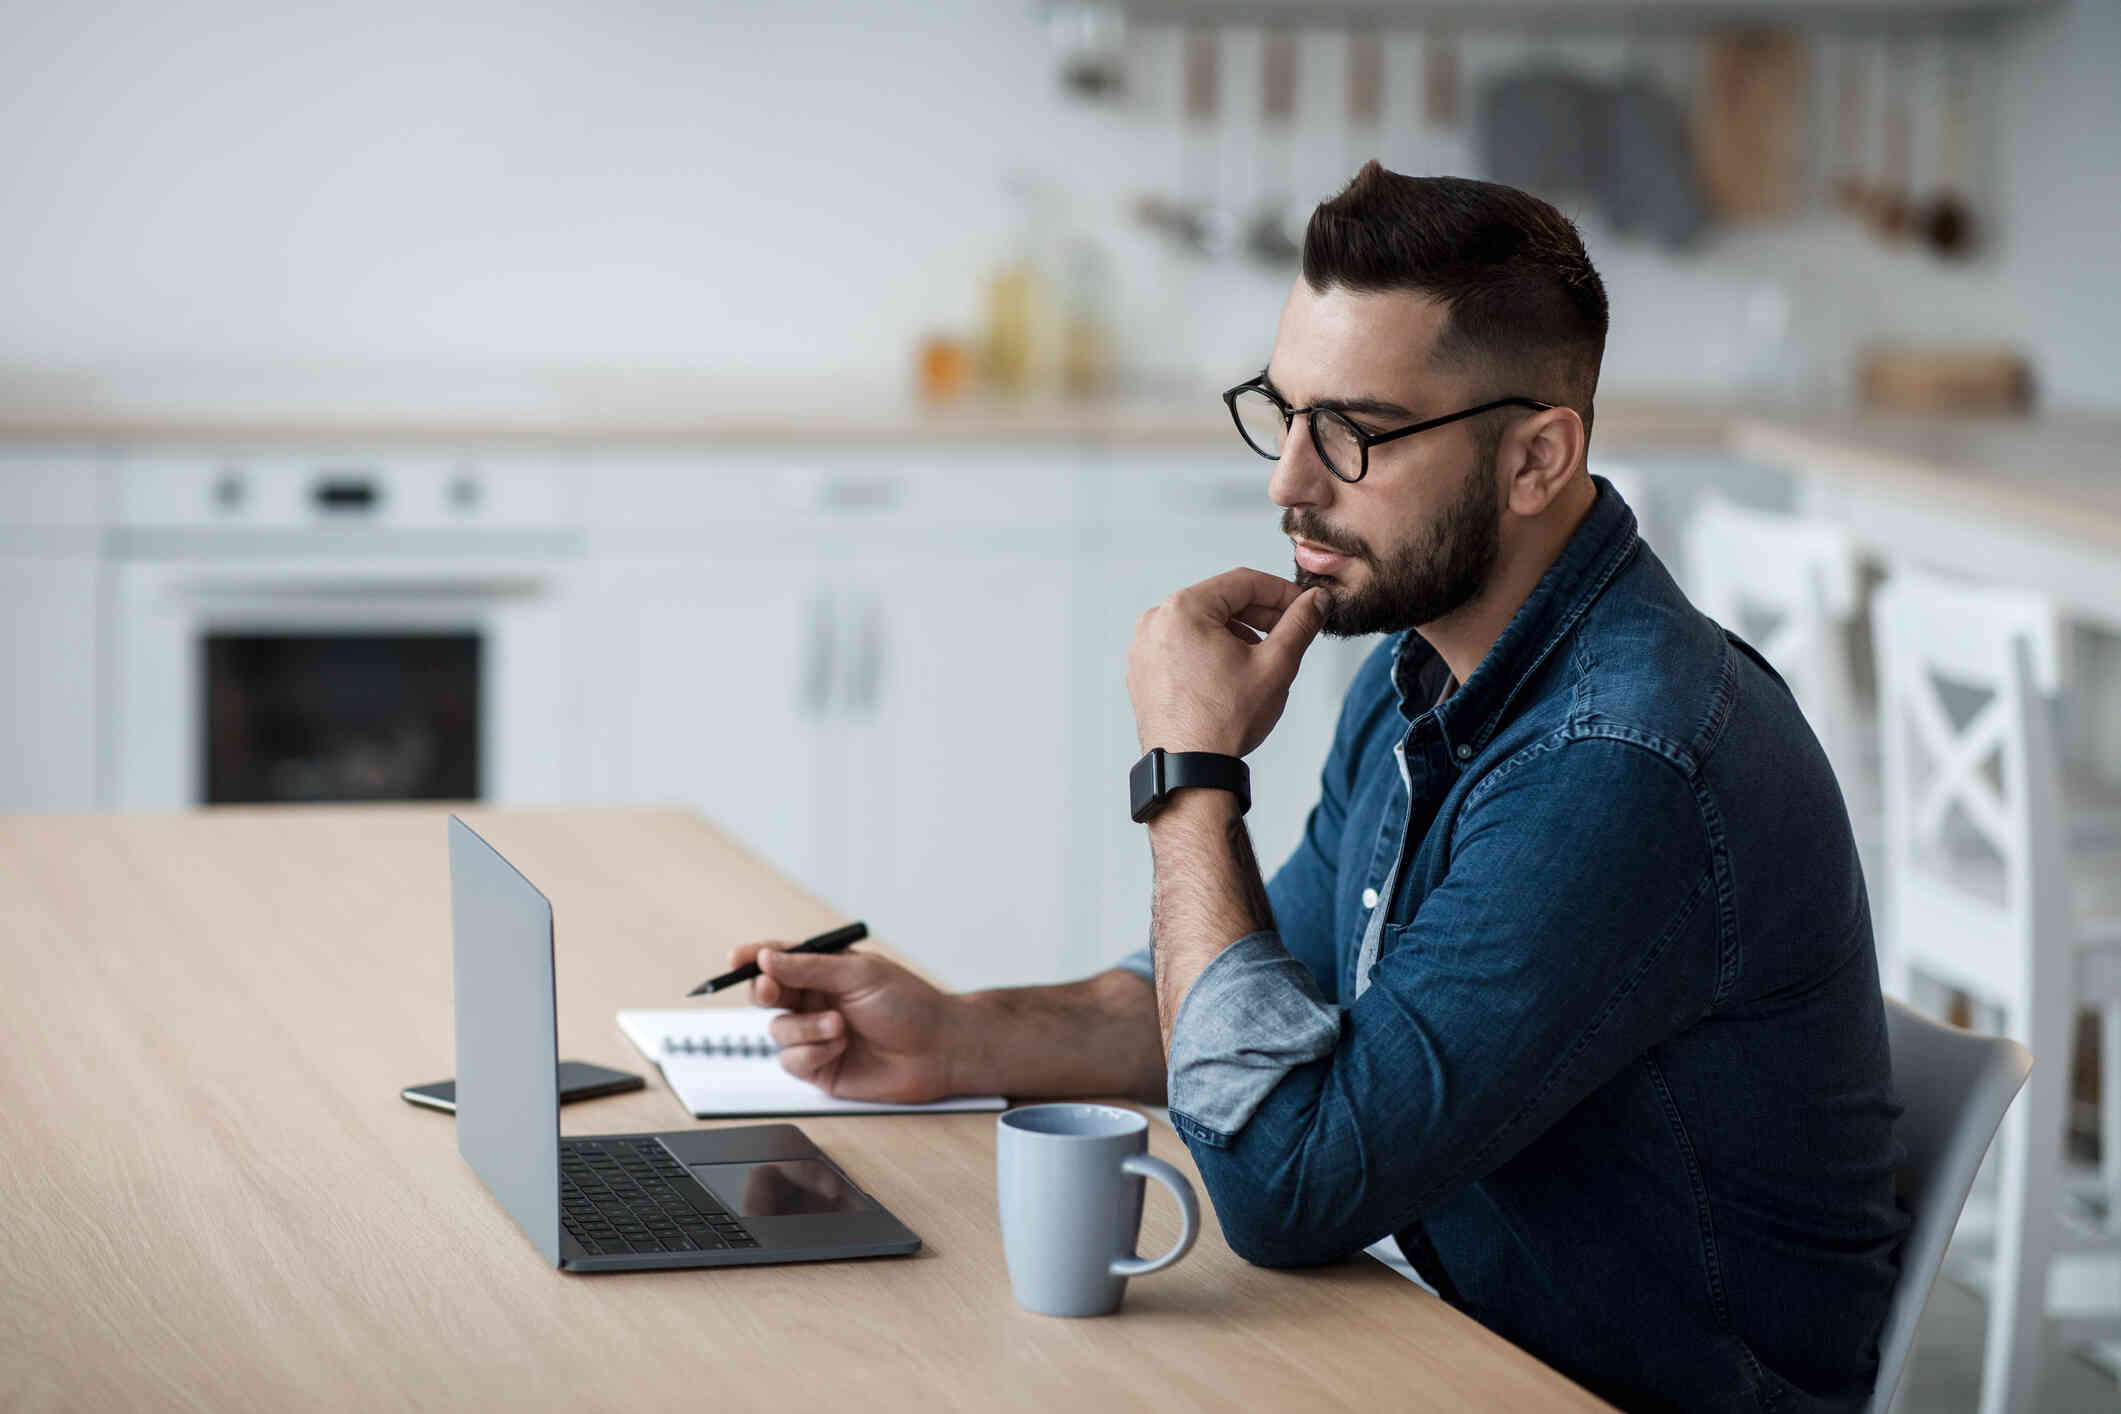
(1812, 452)
(1042, 423)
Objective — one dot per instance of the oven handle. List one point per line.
(334, 588)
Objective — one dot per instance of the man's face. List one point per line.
(1417, 537)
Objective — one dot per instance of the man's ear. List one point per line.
(1544, 451)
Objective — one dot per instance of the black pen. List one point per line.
(838, 940)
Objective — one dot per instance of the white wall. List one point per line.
(219, 195)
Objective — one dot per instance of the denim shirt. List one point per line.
(1615, 1070)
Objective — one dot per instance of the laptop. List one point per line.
(617, 1202)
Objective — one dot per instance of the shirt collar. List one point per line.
(1471, 716)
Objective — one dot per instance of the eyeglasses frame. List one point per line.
(1365, 440)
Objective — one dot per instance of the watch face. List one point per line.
(1145, 785)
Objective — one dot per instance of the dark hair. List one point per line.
(1521, 296)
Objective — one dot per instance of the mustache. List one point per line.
(1306, 527)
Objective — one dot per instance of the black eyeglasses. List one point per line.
(1263, 420)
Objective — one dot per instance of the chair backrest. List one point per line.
(1954, 1088)
(1634, 488)
(1790, 587)
(1973, 827)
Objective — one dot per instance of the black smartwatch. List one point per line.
(1156, 775)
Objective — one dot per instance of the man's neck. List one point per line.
(1463, 637)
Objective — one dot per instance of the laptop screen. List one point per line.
(508, 1087)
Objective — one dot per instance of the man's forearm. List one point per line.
(1078, 1039)
(1208, 892)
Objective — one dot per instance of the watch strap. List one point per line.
(1161, 772)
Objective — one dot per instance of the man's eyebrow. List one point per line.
(1371, 407)
(1375, 407)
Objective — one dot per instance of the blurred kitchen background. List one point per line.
(783, 410)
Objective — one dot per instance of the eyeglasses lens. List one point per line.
(1337, 444)
(1259, 419)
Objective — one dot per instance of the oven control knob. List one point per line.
(229, 491)
(464, 491)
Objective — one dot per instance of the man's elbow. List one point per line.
(1283, 1247)
(1271, 1227)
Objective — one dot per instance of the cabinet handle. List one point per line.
(869, 678)
(861, 493)
(817, 661)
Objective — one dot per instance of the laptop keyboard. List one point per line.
(629, 1195)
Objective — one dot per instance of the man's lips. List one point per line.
(1317, 559)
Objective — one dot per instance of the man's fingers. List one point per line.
(807, 1028)
(1299, 625)
(1231, 593)
(828, 973)
(745, 952)
(1257, 616)
(805, 1062)
(764, 991)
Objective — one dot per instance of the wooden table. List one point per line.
(215, 1199)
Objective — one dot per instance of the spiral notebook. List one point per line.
(721, 1062)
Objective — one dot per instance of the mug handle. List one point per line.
(1149, 1166)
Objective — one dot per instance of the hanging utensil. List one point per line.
(1850, 189)
(1439, 78)
(1750, 126)
(1360, 134)
(1204, 225)
(1267, 237)
(1948, 221)
(1892, 206)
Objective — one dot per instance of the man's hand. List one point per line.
(1210, 667)
(860, 1027)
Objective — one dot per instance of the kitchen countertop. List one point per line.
(2055, 473)
(781, 415)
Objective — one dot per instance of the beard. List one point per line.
(1437, 571)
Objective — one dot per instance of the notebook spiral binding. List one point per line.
(755, 1047)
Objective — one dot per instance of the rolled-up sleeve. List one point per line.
(1250, 1017)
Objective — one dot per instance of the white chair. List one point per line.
(1954, 1087)
(1634, 488)
(1793, 588)
(1979, 874)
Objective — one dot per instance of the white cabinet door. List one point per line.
(51, 511)
(959, 771)
(712, 684)
(48, 708)
(1171, 521)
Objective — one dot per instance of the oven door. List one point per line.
(353, 679)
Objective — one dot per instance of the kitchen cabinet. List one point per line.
(958, 783)
(705, 693)
(48, 708)
(709, 643)
(951, 573)
(857, 664)
(50, 630)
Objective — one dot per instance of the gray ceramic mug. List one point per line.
(1069, 1181)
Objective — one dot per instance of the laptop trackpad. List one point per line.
(780, 1188)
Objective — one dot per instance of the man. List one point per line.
(1570, 983)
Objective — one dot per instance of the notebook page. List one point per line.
(721, 1061)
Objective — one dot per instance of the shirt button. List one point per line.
(1369, 898)
(1464, 752)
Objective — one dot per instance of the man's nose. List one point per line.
(1300, 478)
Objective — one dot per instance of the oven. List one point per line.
(300, 628)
